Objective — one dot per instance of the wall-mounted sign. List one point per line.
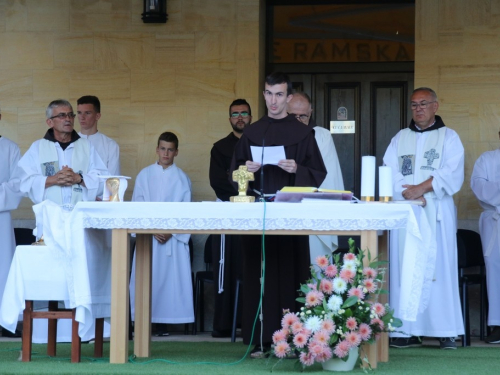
(342, 113)
(342, 127)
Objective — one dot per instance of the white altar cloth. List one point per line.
(306, 216)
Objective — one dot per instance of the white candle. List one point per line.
(368, 176)
(384, 182)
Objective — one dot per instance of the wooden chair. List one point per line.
(53, 314)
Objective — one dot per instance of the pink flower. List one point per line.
(281, 349)
(379, 322)
(312, 286)
(322, 337)
(378, 309)
(315, 348)
(351, 323)
(353, 338)
(369, 272)
(322, 262)
(331, 271)
(347, 275)
(370, 285)
(300, 340)
(297, 327)
(356, 292)
(342, 349)
(306, 359)
(349, 257)
(280, 335)
(326, 286)
(289, 319)
(364, 331)
(325, 355)
(328, 326)
(314, 298)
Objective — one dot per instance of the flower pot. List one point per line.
(336, 364)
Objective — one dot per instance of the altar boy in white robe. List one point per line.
(427, 161)
(172, 290)
(485, 183)
(10, 196)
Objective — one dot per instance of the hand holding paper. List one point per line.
(270, 154)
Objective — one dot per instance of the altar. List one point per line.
(144, 219)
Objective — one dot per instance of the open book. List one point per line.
(297, 193)
(308, 189)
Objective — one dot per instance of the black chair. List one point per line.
(202, 277)
(24, 236)
(470, 254)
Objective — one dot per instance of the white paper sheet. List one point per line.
(272, 154)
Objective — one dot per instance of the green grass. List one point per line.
(208, 358)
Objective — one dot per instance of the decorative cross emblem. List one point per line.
(242, 176)
(431, 155)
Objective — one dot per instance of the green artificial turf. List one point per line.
(209, 358)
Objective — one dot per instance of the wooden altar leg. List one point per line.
(383, 254)
(369, 240)
(120, 265)
(142, 325)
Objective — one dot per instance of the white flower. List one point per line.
(334, 303)
(302, 314)
(349, 266)
(339, 285)
(313, 323)
(365, 290)
(308, 312)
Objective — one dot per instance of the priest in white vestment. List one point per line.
(427, 161)
(172, 289)
(64, 168)
(485, 183)
(301, 107)
(10, 196)
(89, 112)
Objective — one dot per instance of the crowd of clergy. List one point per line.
(427, 162)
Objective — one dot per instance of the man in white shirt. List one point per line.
(485, 183)
(89, 112)
(10, 196)
(427, 162)
(300, 107)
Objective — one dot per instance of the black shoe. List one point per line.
(162, 334)
(494, 336)
(447, 343)
(259, 353)
(221, 334)
(405, 342)
(9, 334)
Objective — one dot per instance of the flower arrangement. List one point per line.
(340, 310)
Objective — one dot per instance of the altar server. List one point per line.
(485, 183)
(10, 196)
(172, 289)
(427, 161)
(89, 113)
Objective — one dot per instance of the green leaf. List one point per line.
(350, 301)
(334, 339)
(301, 300)
(396, 322)
(304, 289)
(348, 313)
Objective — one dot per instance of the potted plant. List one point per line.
(341, 311)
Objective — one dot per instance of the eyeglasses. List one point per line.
(238, 114)
(63, 115)
(300, 117)
(422, 105)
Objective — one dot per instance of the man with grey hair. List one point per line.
(62, 166)
(427, 162)
(300, 107)
(10, 197)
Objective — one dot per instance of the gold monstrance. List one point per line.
(242, 176)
